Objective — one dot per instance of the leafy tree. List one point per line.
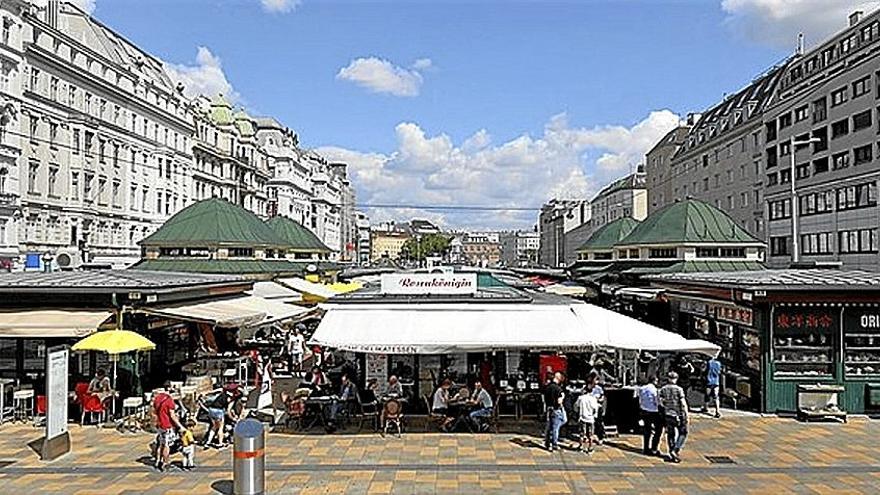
(420, 247)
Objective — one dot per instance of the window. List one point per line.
(819, 243)
(53, 181)
(159, 202)
(863, 154)
(816, 203)
(780, 209)
(664, 253)
(771, 131)
(772, 157)
(838, 97)
(822, 135)
(34, 122)
(820, 110)
(858, 196)
(743, 199)
(785, 176)
(132, 198)
(840, 160)
(729, 252)
(857, 241)
(784, 120)
(729, 202)
(35, 79)
(861, 87)
(53, 134)
(88, 103)
(820, 165)
(102, 191)
(90, 137)
(634, 254)
(76, 143)
(241, 252)
(802, 171)
(779, 246)
(87, 187)
(114, 197)
(801, 113)
(717, 181)
(71, 96)
(839, 128)
(705, 183)
(115, 154)
(871, 32)
(33, 173)
(861, 120)
(785, 148)
(145, 199)
(772, 179)
(53, 88)
(74, 186)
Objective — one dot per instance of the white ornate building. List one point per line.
(98, 147)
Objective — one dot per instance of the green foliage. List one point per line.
(420, 247)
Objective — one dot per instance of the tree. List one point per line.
(420, 247)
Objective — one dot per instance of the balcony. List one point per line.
(9, 201)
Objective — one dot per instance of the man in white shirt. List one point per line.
(587, 407)
(295, 348)
(483, 402)
(652, 427)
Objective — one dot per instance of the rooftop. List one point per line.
(102, 281)
(788, 279)
(609, 234)
(297, 236)
(232, 266)
(687, 222)
(214, 222)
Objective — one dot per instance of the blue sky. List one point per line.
(448, 95)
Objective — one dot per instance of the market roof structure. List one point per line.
(296, 235)
(609, 234)
(787, 279)
(107, 281)
(689, 221)
(215, 222)
(695, 266)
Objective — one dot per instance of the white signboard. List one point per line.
(57, 440)
(429, 283)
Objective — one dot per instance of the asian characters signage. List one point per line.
(805, 319)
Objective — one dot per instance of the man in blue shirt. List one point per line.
(652, 428)
(713, 382)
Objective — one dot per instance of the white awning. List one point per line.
(304, 286)
(644, 293)
(276, 292)
(623, 332)
(449, 328)
(51, 323)
(242, 311)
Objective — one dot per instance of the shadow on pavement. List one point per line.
(36, 445)
(527, 443)
(222, 486)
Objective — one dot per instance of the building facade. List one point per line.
(519, 248)
(481, 249)
(658, 179)
(99, 146)
(825, 119)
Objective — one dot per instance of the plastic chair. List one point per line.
(93, 405)
(41, 410)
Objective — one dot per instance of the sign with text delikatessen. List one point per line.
(429, 283)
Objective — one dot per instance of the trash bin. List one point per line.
(249, 458)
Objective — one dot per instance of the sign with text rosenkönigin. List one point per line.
(429, 283)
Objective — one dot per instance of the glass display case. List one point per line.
(803, 343)
(861, 345)
(750, 349)
(724, 338)
(701, 328)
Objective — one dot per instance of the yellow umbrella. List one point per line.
(115, 342)
(343, 287)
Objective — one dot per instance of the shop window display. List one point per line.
(803, 342)
(861, 338)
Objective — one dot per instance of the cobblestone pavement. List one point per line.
(767, 455)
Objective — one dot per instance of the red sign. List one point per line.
(804, 320)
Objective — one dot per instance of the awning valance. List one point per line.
(50, 323)
(643, 293)
(274, 291)
(245, 311)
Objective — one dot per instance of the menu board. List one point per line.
(377, 367)
(56, 392)
(803, 341)
(861, 342)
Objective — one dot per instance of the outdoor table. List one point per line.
(317, 408)
(534, 396)
(461, 412)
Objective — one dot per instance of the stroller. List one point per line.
(202, 416)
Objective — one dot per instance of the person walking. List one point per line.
(598, 392)
(166, 421)
(586, 407)
(553, 397)
(713, 386)
(652, 427)
(675, 414)
(295, 348)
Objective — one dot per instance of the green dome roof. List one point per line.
(215, 222)
(244, 124)
(687, 222)
(296, 235)
(221, 111)
(609, 234)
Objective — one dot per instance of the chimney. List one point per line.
(52, 9)
(855, 17)
(800, 44)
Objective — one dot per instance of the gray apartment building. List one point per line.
(826, 108)
(717, 157)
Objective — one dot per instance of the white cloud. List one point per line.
(88, 6)
(778, 22)
(381, 76)
(564, 162)
(280, 6)
(206, 77)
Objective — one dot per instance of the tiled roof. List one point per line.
(788, 279)
(698, 266)
(214, 222)
(297, 236)
(609, 234)
(221, 111)
(688, 221)
(108, 280)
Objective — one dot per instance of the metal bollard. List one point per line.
(249, 458)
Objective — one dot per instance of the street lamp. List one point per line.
(795, 236)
